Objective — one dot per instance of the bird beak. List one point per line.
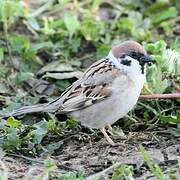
(147, 59)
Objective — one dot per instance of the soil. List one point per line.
(98, 159)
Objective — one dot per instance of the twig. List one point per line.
(104, 172)
(161, 96)
(5, 29)
(27, 158)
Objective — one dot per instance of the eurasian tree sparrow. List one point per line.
(106, 92)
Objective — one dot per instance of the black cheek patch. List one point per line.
(126, 62)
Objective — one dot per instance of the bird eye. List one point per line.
(133, 53)
(136, 55)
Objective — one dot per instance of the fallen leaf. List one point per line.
(55, 66)
(39, 86)
(63, 75)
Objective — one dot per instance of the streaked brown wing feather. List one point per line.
(91, 88)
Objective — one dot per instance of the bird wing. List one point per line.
(90, 89)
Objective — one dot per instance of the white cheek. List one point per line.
(134, 67)
(134, 62)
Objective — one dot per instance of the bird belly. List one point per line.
(111, 109)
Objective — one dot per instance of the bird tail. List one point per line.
(46, 107)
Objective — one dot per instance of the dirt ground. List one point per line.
(98, 159)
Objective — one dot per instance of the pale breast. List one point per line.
(125, 93)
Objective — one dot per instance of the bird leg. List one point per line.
(109, 129)
(110, 141)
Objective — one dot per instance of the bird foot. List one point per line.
(110, 129)
(110, 141)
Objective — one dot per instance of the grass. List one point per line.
(46, 46)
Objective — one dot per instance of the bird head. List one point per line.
(131, 55)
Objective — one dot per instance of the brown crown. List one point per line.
(127, 47)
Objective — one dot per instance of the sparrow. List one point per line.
(106, 92)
